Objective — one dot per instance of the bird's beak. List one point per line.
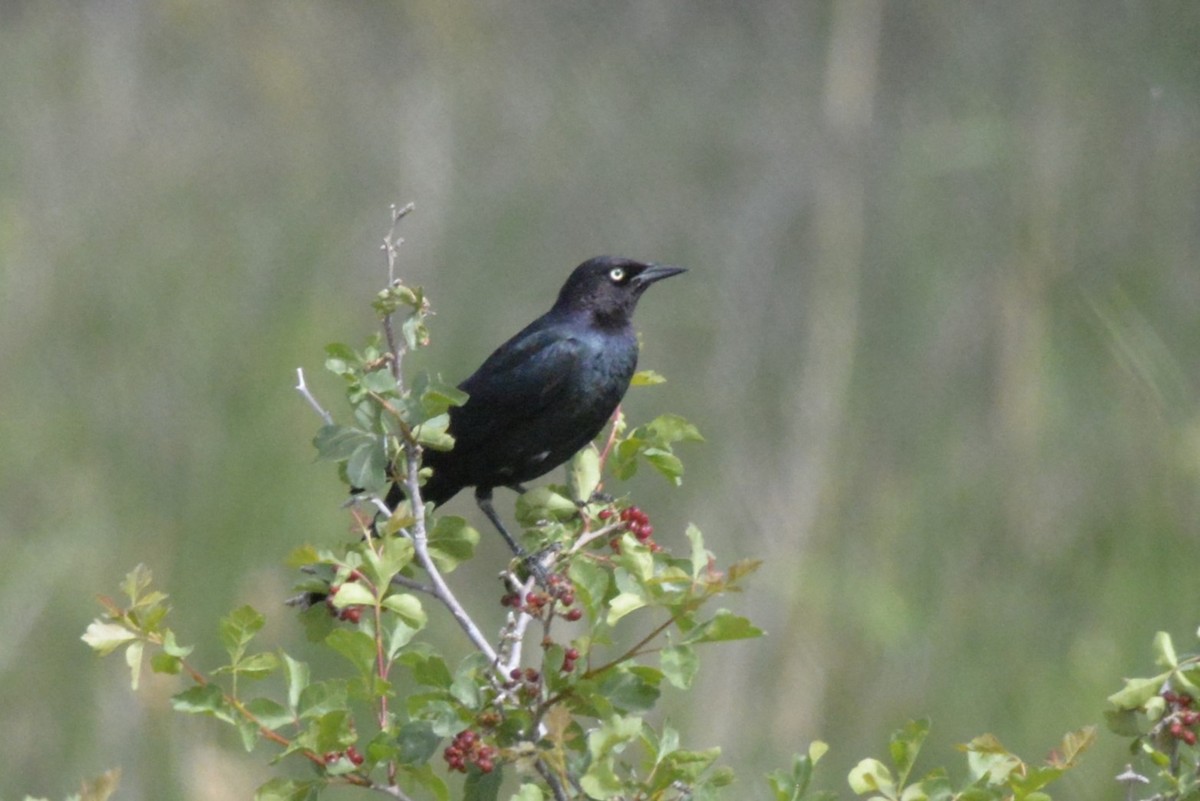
(657, 272)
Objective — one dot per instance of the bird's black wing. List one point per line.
(522, 378)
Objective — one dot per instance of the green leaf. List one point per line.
(172, 648)
(622, 605)
(437, 396)
(724, 626)
(104, 637)
(673, 428)
(601, 781)
(647, 378)
(631, 689)
(666, 463)
(544, 503)
(258, 666)
(435, 433)
(135, 582)
(238, 629)
(793, 786)
(269, 713)
(679, 664)
(591, 584)
(296, 674)
(428, 667)
(380, 382)
(367, 466)
(408, 607)
(417, 742)
(357, 646)
(352, 593)
(336, 443)
(987, 758)
(583, 474)
(481, 786)
(165, 663)
(701, 556)
(472, 674)
(1137, 692)
(1164, 651)
(287, 790)
(528, 792)
(872, 776)
(394, 554)
(613, 734)
(321, 698)
(202, 700)
(905, 745)
(133, 658)
(452, 542)
(686, 766)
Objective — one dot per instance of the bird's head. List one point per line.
(609, 287)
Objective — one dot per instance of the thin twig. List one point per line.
(420, 539)
(302, 387)
(392, 790)
(412, 458)
(555, 785)
(587, 537)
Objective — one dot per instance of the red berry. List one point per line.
(605, 514)
(572, 654)
(567, 598)
(532, 675)
(485, 765)
(331, 757)
(353, 755)
(352, 613)
(355, 575)
(573, 614)
(515, 674)
(333, 589)
(1176, 729)
(1169, 696)
(1183, 699)
(467, 736)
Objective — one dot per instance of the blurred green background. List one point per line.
(941, 330)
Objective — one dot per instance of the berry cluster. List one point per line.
(350, 753)
(1182, 717)
(558, 588)
(636, 523)
(570, 657)
(467, 749)
(351, 614)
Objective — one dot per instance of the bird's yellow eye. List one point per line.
(617, 274)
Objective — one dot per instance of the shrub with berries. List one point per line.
(1159, 714)
(571, 719)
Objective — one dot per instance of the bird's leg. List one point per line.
(483, 497)
(534, 562)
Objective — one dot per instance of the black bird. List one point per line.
(548, 391)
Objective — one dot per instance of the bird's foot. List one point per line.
(539, 564)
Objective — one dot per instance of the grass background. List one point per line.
(941, 330)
